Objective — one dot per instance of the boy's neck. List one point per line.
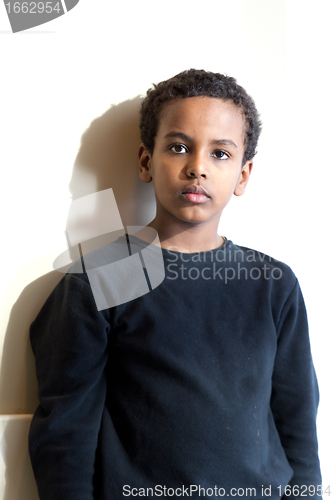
(188, 238)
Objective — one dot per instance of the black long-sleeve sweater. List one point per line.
(207, 381)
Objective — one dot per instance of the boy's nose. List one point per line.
(196, 169)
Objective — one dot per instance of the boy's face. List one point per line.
(196, 165)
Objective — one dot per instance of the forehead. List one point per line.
(202, 114)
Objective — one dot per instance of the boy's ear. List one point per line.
(243, 178)
(144, 164)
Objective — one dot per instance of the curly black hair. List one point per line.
(192, 83)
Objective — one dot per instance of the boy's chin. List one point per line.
(197, 219)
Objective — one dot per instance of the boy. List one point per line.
(203, 387)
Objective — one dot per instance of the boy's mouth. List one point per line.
(195, 194)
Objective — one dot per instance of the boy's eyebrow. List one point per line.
(225, 142)
(178, 135)
(184, 137)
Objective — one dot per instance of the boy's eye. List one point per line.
(178, 148)
(220, 155)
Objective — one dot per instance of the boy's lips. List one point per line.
(195, 194)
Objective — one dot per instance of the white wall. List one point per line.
(58, 78)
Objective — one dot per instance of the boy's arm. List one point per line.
(69, 340)
(295, 398)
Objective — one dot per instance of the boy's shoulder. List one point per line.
(231, 269)
(260, 266)
(253, 255)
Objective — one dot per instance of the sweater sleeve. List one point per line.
(295, 398)
(69, 340)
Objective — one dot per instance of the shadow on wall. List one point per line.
(18, 383)
(17, 481)
(107, 158)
